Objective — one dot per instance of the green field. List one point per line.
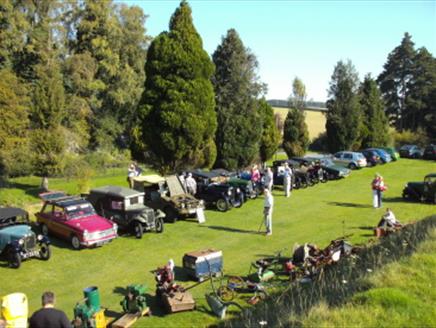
(318, 214)
(315, 120)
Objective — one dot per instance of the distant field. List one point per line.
(315, 121)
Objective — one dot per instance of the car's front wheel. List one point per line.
(75, 242)
(170, 215)
(14, 259)
(138, 230)
(44, 229)
(44, 252)
(159, 225)
(222, 205)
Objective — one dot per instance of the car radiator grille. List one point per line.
(30, 242)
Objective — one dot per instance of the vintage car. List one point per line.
(300, 178)
(126, 207)
(17, 240)
(168, 195)
(250, 191)
(215, 191)
(331, 170)
(429, 152)
(73, 218)
(422, 191)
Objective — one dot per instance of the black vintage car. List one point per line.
(422, 190)
(300, 178)
(430, 152)
(217, 192)
(246, 186)
(126, 207)
(17, 240)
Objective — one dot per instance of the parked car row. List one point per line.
(413, 151)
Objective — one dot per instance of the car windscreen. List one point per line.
(79, 211)
(406, 147)
(327, 162)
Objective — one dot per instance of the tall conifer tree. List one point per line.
(177, 107)
(375, 124)
(236, 90)
(343, 122)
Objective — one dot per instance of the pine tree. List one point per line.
(295, 132)
(343, 123)
(236, 89)
(14, 125)
(269, 142)
(395, 81)
(177, 107)
(375, 124)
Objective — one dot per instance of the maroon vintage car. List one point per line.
(73, 218)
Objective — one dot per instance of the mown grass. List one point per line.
(402, 294)
(318, 214)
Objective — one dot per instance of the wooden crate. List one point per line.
(178, 301)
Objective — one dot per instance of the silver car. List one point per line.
(350, 159)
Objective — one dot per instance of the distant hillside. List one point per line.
(310, 105)
(315, 120)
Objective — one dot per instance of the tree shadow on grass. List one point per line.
(28, 189)
(343, 204)
(234, 230)
(393, 200)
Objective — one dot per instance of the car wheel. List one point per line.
(75, 242)
(241, 202)
(222, 205)
(352, 166)
(44, 252)
(44, 229)
(138, 230)
(170, 215)
(159, 225)
(14, 259)
(405, 195)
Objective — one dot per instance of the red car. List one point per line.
(74, 219)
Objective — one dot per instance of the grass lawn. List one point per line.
(402, 295)
(318, 214)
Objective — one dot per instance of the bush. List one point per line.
(319, 144)
(405, 137)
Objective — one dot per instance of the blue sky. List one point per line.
(306, 38)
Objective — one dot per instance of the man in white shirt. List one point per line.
(287, 180)
(388, 220)
(269, 179)
(267, 211)
(191, 184)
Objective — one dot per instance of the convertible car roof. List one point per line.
(150, 179)
(117, 191)
(9, 212)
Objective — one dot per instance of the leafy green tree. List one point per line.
(14, 125)
(177, 107)
(395, 80)
(295, 132)
(343, 124)
(421, 99)
(236, 89)
(298, 98)
(270, 139)
(375, 125)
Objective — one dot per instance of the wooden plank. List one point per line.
(129, 319)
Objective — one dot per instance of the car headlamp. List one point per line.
(39, 237)
(85, 234)
(21, 242)
(229, 192)
(182, 205)
(115, 227)
(238, 190)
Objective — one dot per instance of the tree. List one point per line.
(295, 132)
(298, 97)
(343, 123)
(375, 124)
(14, 125)
(177, 114)
(421, 99)
(395, 80)
(236, 90)
(270, 139)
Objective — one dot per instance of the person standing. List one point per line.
(48, 316)
(269, 179)
(287, 180)
(191, 184)
(131, 174)
(378, 187)
(267, 211)
(255, 176)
